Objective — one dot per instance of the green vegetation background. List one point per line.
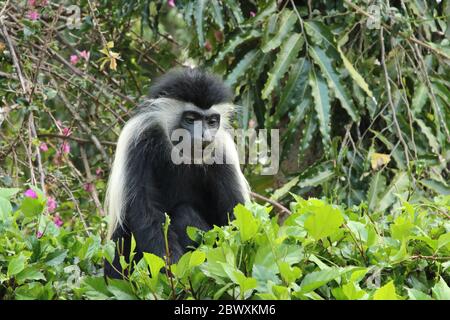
(359, 90)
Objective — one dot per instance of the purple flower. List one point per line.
(66, 132)
(51, 204)
(99, 172)
(39, 234)
(171, 3)
(43, 146)
(58, 221)
(31, 3)
(252, 13)
(31, 194)
(33, 15)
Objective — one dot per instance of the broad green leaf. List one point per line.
(281, 192)
(236, 42)
(441, 291)
(246, 223)
(5, 208)
(31, 207)
(420, 98)
(197, 258)
(289, 274)
(7, 193)
(16, 265)
(29, 273)
(436, 186)
(386, 292)
(317, 279)
(444, 241)
(432, 140)
(319, 91)
(323, 221)
(285, 57)
(414, 294)
(154, 262)
(121, 289)
(325, 64)
(286, 24)
(96, 288)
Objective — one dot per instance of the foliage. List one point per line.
(358, 89)
(321, 251)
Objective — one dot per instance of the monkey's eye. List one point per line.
(189, 119)
(213, 122)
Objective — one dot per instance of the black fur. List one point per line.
(192, 195)
(191, 85)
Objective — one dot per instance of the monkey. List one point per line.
(146, 183)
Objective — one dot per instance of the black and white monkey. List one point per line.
(145, 183)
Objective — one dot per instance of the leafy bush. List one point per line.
(320, 251)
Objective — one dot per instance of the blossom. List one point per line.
(65, 147)
(31, 3)
(66, 132)
(85, 55)
(74, 59)
(89, 187)
(252, 13)
(30, 193)
(208, 46)
(51, 204)
(33, 15)
(58, 221)
(43, 146)
(39, 234)
(99, 172)
(171, 3)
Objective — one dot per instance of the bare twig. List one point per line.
(283, 209)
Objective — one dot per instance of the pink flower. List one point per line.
(31, 3)
(252, 13)
(99, 172)
(43, 146)
(43, 3)
(31, 194)
(65, 147)
(85, 55)
(171, 3)
(58, 221)
(51, 204)
(58, 123)
(39, 234)
(67, 132)
(88, 187)
(74, 59)
(33, 15)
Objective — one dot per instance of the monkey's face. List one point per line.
(200, 126)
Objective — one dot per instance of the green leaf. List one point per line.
(154, 262)
(16, 265)
(441, 291)
(199, 19)
(197, 258)
(286, 24)
(377, 186)
(288, 273)
(316, 175)
(399, 184)
(319, 91)
(323, 221)
(121, 289)
(432, 140)
(31, 207)
(7, 193)
(325, 63)
(287, 54)
(234, 43)
(5, 208)
(96, 288)
(317, 279)
(386, 292)
(246, 62)
(436, 186)
(217, 13)
(29, 273)
(414, 294)
(246, 223)
(281, 192)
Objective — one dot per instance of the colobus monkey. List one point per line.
(145, 183)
